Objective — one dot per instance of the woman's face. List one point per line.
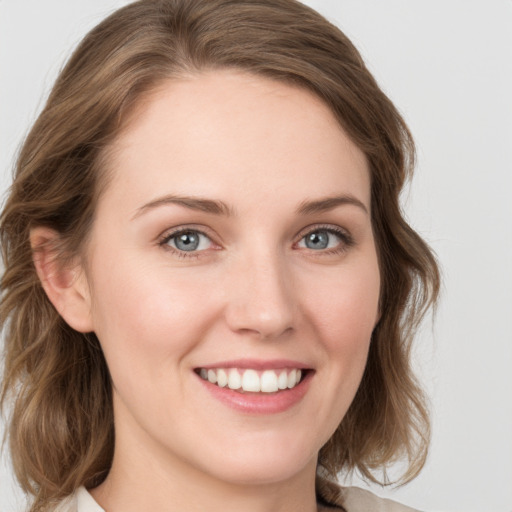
(234, 244)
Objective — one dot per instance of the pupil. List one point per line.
(318, 240)
(187, 241)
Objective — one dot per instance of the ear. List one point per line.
(65, 284)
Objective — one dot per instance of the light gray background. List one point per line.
(447, 64)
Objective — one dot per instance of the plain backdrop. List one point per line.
(447, 65)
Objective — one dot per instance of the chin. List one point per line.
(267, 461)
(267, 472)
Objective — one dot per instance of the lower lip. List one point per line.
(260, 403)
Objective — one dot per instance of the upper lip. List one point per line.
(258, 364)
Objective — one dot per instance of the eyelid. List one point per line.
(333, 228)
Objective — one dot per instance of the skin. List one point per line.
(253, 290)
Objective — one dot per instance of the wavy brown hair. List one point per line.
(56, 384)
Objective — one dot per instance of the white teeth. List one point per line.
(251, 381)
(268, 381)
(234, 379)
(222, 378)
(292, 379)
(282, 381)
(212, 376)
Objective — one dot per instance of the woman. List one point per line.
(210, 291)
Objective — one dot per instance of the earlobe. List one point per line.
(64, 283)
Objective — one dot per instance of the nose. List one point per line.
(261, 300)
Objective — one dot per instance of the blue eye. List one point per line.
(317, 240)
(188, 241)
(322, 239)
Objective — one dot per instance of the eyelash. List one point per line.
(346, 240)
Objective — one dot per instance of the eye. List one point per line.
(187, 240)
(325, 239)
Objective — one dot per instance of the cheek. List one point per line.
(343, 313)
(148, 323)
(143, 317)
(347, 308)
(345, 316)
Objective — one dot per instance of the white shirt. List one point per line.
(80, 501)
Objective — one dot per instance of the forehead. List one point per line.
(222, 132)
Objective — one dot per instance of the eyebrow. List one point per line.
(220, 208)
(193, 203)
(329, 203)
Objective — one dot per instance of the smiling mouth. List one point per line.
(253, 381)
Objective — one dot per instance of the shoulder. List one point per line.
(355, 499)
(79, 501)
(67, 505)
